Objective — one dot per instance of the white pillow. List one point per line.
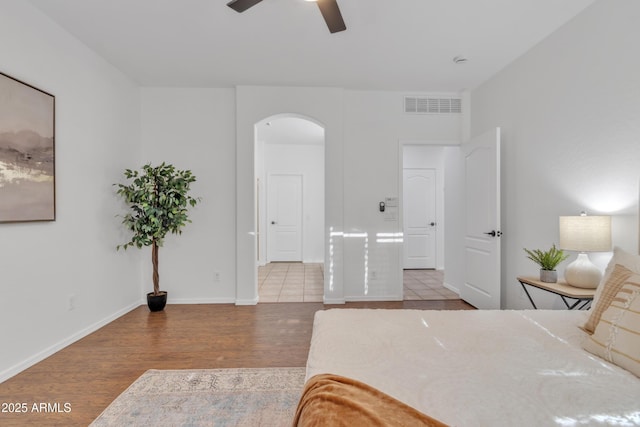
(617, 335)
(625, 259)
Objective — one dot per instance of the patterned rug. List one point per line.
(208, 397)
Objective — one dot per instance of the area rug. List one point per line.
(208, 397)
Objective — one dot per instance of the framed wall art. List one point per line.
(27, 152)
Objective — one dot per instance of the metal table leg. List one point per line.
(529, 296)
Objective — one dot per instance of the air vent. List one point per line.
(428, 105)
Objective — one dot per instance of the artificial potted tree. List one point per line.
(158, 198)
(548, 261)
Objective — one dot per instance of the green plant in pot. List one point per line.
(158, 198)
(548, 261)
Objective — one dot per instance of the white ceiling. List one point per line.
(388, 44)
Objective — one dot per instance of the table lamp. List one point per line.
(584, 234)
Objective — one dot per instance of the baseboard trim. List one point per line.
(202, 301)
(40, 356)
(253, 301)
(451, 288)
(214, 301)
(376, 298)
(333, 301)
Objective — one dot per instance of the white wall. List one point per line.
(261, 199)
(195, 129)
(97, 134)
(455, 216)
(375, 126)
(363, 133)
(569, 112)
(306, 160)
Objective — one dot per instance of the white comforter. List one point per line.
(478, 368)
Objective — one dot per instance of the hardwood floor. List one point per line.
(89, 374)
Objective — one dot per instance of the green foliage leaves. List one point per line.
(159, 200)
(547, 260)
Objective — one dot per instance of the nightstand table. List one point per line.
(582, 297)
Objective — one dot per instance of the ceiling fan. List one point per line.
(329, 9)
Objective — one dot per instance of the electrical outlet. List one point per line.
(373, 275)
(216, 276)
(72, 302)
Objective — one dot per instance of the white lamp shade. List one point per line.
(585, 233)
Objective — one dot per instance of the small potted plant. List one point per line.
(158, 197)
(548, 261)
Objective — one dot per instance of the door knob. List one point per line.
(433, 224)
(494, 233)
(273, 222)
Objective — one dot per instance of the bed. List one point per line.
(487, 368)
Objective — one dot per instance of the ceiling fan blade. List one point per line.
(332, 16)
(242, 5)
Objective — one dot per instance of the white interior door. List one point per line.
(284, 218)
(481, 286)
(419, 218)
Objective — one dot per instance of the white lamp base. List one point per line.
(582, 273)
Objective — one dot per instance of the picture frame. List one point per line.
(27, 152)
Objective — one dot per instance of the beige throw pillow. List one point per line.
(609, 290)
(617, 335)
(625, 259)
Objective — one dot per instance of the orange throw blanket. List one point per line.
(332, 400)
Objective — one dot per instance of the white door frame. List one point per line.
(441, 228)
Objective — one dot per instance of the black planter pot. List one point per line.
(156, 302)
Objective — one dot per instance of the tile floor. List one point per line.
(291, 282)
(426, 285)
(298, 282)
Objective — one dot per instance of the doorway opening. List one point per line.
(422, 174)
(290, 176)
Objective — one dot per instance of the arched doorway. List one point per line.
(289, 178)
